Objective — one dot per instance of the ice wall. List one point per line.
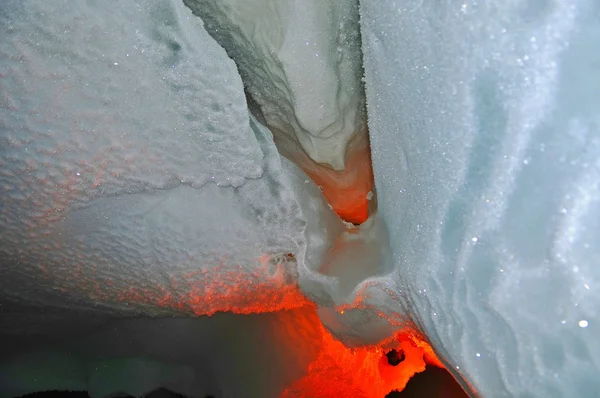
(135, 183)
(133, 179)
(486, 144)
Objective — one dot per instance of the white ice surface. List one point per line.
(485, 134)
(301, 63)
(133, 179)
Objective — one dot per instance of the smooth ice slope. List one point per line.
(301, 63)
(485, 134)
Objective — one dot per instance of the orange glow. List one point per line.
(335, 370)
(346, 191)
(209, 290)
(364, 372)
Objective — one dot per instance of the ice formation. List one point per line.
(137, 186)
(486, 144)
(98, 173)
(301, 65)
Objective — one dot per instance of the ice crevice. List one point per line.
(301, 64)
(302, 74)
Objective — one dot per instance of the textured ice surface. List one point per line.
(132, 179)
(485, 137)
(300, 61)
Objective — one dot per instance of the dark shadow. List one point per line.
(432, 383)
(158, 393)
(57, 394)
(163, 393)
(394, 357)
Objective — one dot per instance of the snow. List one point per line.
(301, 63)
(135, 185)
(485, 143)
(119, 205)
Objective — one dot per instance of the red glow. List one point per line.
(209, 290)
(339, 371)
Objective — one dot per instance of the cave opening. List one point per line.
(395, 357)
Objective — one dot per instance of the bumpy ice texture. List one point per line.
(485, 136)
(136, 184)
(132, 180)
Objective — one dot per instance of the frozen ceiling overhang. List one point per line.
(136, 185)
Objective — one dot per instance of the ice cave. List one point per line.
(300, 198)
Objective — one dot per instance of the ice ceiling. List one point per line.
(161, 161)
